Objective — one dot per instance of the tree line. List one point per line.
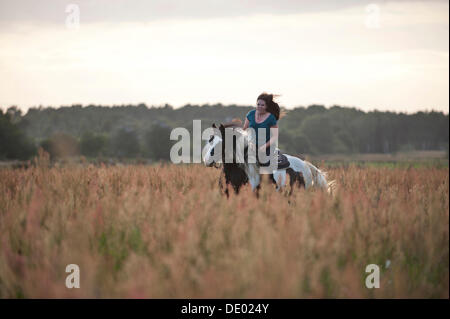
(130, 131)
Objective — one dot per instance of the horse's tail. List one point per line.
(320, 179)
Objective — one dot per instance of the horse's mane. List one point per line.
(231, 124)
(236, 125)
(245, 137)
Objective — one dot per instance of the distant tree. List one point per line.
(15, 113)
(93, 145)
(343, 142)
(316, 109)
(61, 145)
(299, 143)
(126, 143)
(158, 143)
(14, 144)
(317, 128)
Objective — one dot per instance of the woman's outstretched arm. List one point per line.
(246, 124)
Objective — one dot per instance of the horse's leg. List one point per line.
(295, 178)
(227, 181)
(291, 181)
(280, 178)
(257, 190)
(227, 192)
(301, 180)
(253, 176)
(272, 179)
(302, 168)
(221, 182)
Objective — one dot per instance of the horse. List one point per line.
(233, 172)
(238, 173)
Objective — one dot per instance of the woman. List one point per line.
(265, 116)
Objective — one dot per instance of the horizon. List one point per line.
(160, 106)
(385, 56)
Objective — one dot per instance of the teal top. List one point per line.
(266, 124)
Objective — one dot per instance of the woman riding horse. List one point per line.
(264, 118)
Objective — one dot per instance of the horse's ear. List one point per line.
(214, 125)
(222, 130)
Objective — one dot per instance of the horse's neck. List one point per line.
(251, 169)
(248, 138)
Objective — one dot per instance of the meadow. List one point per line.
(166, 231)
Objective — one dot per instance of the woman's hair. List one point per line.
(271, 105)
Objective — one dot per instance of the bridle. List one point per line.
(250, 143)
(211, 152)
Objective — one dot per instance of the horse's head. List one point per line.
(230, 146)
(219, 149)
(212, 149)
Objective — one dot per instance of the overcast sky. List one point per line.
(386, 55)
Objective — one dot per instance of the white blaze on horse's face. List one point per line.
(210, 151)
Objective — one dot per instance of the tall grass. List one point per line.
(165, 231)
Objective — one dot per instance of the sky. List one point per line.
(385, 55)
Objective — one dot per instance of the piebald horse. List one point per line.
(239, 172)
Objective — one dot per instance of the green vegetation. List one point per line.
(14, 144)
(139, 131)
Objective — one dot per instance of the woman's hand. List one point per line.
(262, 148)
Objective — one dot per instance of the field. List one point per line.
(166, 231)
